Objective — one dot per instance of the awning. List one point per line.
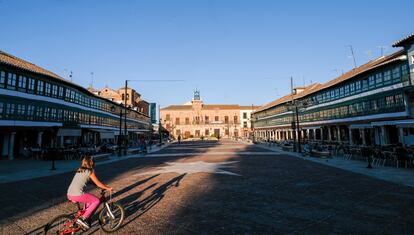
(384, 123)
(69, 132)
(361, 126)
(138, 130)
(105, 134)
(406, 123)
(310, 127)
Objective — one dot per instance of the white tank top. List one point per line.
(77, 187)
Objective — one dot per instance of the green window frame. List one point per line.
(40, 87)
(31, 85)
(387, 77)
(1, 109)
(11, 81)
(2, 79)
(378, 80)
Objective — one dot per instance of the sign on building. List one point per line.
(153, 112)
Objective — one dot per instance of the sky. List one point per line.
(233, 51)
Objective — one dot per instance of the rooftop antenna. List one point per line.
(65, 73)
(91, 85)
(382, 50)
(353, 55)
(70, 75)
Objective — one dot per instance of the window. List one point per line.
(389, 101)
(59, 114)
(11, 81)
(39, 113)
(352, 87)
(53, 114)
(371, 81)
(346, 90)
(226, 119)
(336, 93)
(244, 115)
(387, 77)
(187, 121)
(207, 132)
(378, 79)
(206, 119)
(197, 120)
(358, 86)
(177, 121)
(374, 105)
(48, 89)
(46, 113)
(236, 119)
(2, 79)
(327, 95)
(72, 96)
(396, 74)
(67, 96)
(22, 83)
(399, 100)
(167, 117)
(40, 87)
(404, 72)
(10, 108)
(60, 92)
(30, 111)
(21, 111)
(54, 90)
(1, 109)
(216, 118)
(31, 85)
(245, 124)
(341, 91)
(365, 84)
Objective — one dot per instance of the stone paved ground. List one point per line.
(271, 194)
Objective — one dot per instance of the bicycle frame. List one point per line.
(72, 229)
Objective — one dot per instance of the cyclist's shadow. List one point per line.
(135, 208)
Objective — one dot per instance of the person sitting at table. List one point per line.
(401, 153)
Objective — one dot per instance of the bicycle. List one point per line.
(110, 218)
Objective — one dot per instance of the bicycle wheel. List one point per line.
(107, 223)
(62, 224)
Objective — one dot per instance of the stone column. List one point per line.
(363, 136)
(39, 138)
(383, 137)
(5, 148)
(401, 135)
(338, 128)
(11, 145)
(321, 133)
(330, 133)
(314, 134)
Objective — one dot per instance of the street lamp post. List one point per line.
(126, 141)
(126, 107)
(159, 123)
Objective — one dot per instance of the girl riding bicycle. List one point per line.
(76, 189)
